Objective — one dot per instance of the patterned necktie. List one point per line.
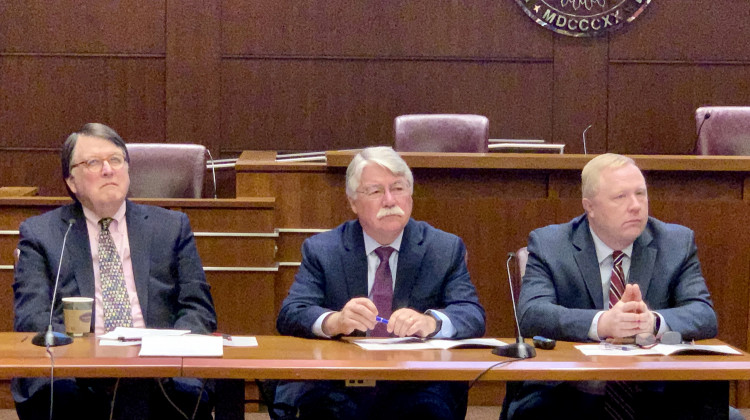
(619, 396)
(382, 290)
(114, 294)
(617, 279)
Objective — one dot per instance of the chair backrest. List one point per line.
(723, 130)
(442, 133)
(162, 170)
(522, 255)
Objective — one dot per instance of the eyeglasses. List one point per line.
(376, 192)
(115, 161)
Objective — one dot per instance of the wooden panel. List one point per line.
(192, 63)
(652, 106)
(95, 26)
(125, 93)
(216, 219)
(580, 93)
(236, 252)
(324, 105)
(684, 30)
(243, 301)
(6, 296)
(487, 28)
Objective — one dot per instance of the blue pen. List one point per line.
(383, 320)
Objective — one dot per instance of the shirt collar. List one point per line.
(118, 218)
(372, 244)
(603, 251)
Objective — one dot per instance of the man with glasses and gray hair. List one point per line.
(138, 262)
(383, 274)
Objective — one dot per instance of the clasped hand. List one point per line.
(359, 314)
(630, 316)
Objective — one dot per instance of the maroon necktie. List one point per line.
(617, 279)
(382, 290)
(619, 396)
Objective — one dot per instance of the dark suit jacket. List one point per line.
(562, 287)
(169, 278)
(431, 274)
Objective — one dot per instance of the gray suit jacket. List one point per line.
(431, 274)
(562, 287)
(170, 282)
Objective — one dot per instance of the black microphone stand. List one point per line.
(519, 349)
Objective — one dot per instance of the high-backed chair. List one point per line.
(723, 130)
(161, 170)
(442, 133)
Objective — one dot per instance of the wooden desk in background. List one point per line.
(18, 191)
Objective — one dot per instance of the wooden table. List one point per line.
(83, 358)
(306, 359)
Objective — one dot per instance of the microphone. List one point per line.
(584, 138)
(706, 116)
(51, 338)
(518, 350)
(213, 171)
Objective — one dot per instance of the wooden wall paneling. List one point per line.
(652, 105)
(34, 168)
(245, 252)
(244, 301)
(94, 27)
(580, 93)
(420, 28)
(677, 30)
(193, 33)
(126, 93)
(307, 104)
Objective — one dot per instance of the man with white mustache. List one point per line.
(421, 287)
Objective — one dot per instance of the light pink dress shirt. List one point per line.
(119, 231)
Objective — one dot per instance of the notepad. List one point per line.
(658, 350)
(416, 343)
(182, 346)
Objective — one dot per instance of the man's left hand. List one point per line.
(407, 322)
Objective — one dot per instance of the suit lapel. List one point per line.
(409, 262)
(139, 237)
(642, 261)
(588, 264)
(354, 259)
(78, 249)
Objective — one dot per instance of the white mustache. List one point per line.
(390, 211)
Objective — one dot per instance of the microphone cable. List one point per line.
(492, 366)
(584, 138)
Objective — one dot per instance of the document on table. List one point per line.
(659, 350)
(192, 345)
(126, 336)
(415, 343)
(240, 341)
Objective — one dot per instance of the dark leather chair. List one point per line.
(162, 170)
(442, 133)
(723, 130)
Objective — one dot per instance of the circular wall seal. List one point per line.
(583, 17)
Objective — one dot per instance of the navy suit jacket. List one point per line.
(562, 287)
(169, 278)
(431, 274)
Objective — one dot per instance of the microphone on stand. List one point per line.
(584, 138)
(706, 116)
(518, 350)
(51, 338)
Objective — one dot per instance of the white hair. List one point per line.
(379, 155)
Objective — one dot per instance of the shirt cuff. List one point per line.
(594, 329)
(663, 327)
(447, 330)
(318, 325)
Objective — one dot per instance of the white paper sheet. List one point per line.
(183, 345)
(659, 349)
(413, 343)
